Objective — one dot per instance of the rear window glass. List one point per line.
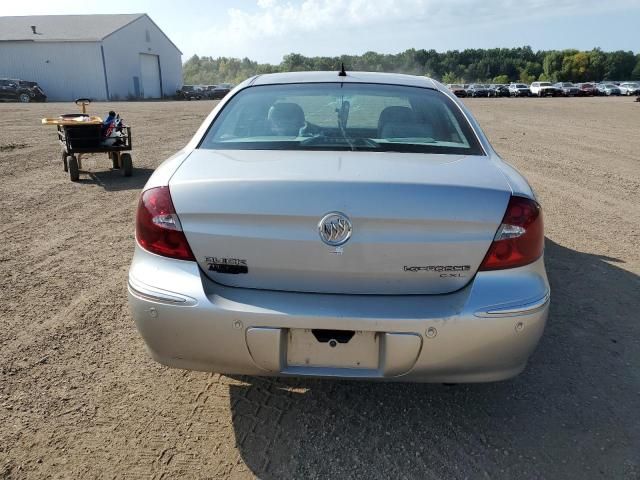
(348, 116)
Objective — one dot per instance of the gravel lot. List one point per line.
(80, 398)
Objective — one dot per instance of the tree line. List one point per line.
(495, 65)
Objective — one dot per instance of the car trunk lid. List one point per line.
(421, 223)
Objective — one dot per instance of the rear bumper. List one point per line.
(484, 332)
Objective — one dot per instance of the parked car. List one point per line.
(498, 90)
(519, 90)
(457, 89)
(629, 88)
(189, 92)
(587, 89)
(289, 237)
(478, 90)
(567, 89)
(608, 89)
(15, 90)
(543, 89)
(219, 92)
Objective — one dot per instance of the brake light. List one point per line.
(158, 229)
(520, 238)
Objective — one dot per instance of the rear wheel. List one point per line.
(24, 98)
(74, 171)
(64, 161)
(126, 165)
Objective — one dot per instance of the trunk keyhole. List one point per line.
(333, 343)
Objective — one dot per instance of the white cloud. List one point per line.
(304, 26)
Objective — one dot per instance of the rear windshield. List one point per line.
(335, 116)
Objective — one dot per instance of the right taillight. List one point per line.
(158, 228)
(520, 238)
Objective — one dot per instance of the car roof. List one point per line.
(351, 77)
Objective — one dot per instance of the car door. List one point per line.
(4, 85)
(12, 90)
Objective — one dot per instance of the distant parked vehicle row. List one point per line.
(519, 90)
(588, 89)
(189, 92)
(14, 90)
(219, 91)
(499, 90)
(457, 89)
(199, 92)
(545, 89)
(629, 88)
(567, 89)
(608, 89)
(478, 90)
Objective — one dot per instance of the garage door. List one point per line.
(150, 74)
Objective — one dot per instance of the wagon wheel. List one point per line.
(115, 159)
(126, 165)
(74, 171)
(64, 161)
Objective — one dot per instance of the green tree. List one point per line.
(551, 66)
(620, 65)
(482, 65)
(635, 73)
(576, 67)
(450, 77)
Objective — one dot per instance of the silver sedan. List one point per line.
(354, 225)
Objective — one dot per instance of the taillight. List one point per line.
(158, 228)
(520, 238)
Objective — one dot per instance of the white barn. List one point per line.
(102, 57)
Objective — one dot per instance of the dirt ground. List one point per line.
(80, 398)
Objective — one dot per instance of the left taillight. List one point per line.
(158, 228)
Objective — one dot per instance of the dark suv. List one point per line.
(219, 91)
(189, 92)
(13, 90)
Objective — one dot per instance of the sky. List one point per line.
(266, 30)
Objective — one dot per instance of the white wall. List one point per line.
(122, 56)
(64, 70)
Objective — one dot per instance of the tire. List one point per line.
(74, 171)
(24, 98)
(126, 165)
(64, 161)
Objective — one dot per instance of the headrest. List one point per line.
(286, 113)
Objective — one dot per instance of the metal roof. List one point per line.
(63, 28)
(352, 77)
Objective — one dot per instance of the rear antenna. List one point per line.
(342, 73)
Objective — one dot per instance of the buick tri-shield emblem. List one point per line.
(335, 229)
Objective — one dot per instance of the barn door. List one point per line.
(150, 76)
